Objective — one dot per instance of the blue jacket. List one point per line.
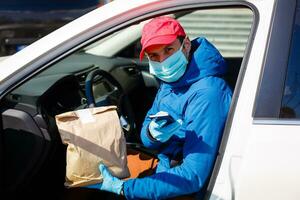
(202, 99)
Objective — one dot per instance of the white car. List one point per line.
(258, 154)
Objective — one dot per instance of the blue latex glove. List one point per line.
(161, 130)
(110, 183)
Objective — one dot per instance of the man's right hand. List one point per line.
(161, 130)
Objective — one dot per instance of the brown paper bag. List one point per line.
(93, 135)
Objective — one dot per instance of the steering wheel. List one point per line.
(116, 97)
(89, 81)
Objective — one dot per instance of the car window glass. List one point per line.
(230, 39)
(290, 107)
(228, 29)
(113, 44)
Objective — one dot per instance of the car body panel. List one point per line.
(259, 160)
(242, 117)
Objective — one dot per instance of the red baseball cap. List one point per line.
(160, 30)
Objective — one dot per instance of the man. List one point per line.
(192, 102)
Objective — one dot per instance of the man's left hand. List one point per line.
(110, 183)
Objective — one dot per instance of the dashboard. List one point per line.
(61, 87)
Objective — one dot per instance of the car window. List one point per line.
(290, 107)
(227, 29)
(114, 44)
(269, 101)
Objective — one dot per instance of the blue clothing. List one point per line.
(201, 99)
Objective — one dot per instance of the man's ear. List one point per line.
(187, 45)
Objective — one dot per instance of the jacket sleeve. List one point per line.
(147, 140)
(205, 115)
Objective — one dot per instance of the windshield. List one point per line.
(113, 44)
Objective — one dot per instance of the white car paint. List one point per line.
(242, 124)
(260, 160)
(3, 58)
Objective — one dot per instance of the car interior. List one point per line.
(34, 156)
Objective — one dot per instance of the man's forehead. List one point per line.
(160, 47)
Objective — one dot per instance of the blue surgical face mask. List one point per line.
(171, 69)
